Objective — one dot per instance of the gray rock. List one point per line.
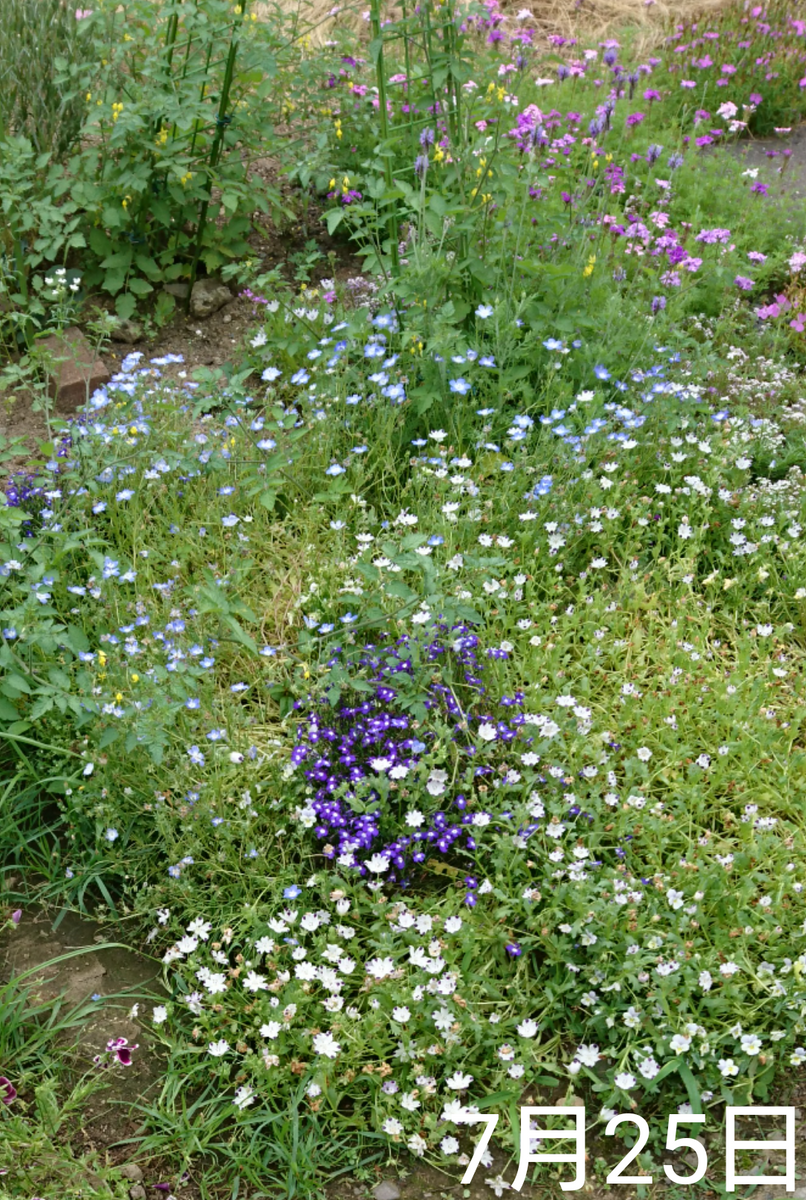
(130, 1170)
(386, 1190)
(128, 331)
(180, 290)
(137, 1192)
(208, 296)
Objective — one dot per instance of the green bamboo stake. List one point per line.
(215, 150)
(380, 74)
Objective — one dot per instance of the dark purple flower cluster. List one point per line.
(347, 745)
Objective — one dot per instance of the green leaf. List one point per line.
(140, 287)
(7, 711)
(334, 218)
(125, 305)
(114, 280)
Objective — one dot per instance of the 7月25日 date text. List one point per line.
(681, 1137)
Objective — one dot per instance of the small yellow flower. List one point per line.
(101, 658)
(589, 269)
(135, 678)
(89, 96)
(118, 696)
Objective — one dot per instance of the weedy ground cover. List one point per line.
(425, 691)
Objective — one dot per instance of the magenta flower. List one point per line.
(7, 1090)
(122, 1050)
(799, 324)
(16, 916)
(743, 283)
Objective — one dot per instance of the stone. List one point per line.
(127, 331)
(180, 290)
(386, 1190)
(208, 296)
(76, 372)
(137, 1192)
(131, 1171)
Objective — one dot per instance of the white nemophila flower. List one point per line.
(643, 753)
(409, 1101)
(528, 1028)
(218, 1049)
(200, 928)
(401, 1014)
(159, 1014)
(587, 1055)
(326, 1045)
(499, 1185)
(648, 1067)
(270, 1030)
(453, 924)
(459, 1081)
(449, 1145)
(264, 945)
(625, 1081)
(380, 968)
(729, 968)
(378, 863)
(487, 732)
(254, 982)
(244, 1096)
(705, 980)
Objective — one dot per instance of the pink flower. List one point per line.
(799, 323)
(687, 83)
(743, 283)
(81, 13)
(7, 1090)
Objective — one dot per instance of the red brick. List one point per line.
(78, 374)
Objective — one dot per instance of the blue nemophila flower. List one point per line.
(359, 449)
(327, 627)
(216, 735)
(195, 755)
(459, 386)
(230, 521)
(385, 321)
(9, 632)
(348, 618)
(543, 487)
(484, 311)
(268, 651)
(435, 540)
(100, 507)
(335, 469)
(374, 350)
(553, 344)
(301, 376)
(513, 949)
(126, 494)
(507, 466)
(270, 374)
(601, 372)
(216, 821)
(484, 412)
(192, 702)
(337, 525)
(111, 835)
(291, 893)
(487, 361)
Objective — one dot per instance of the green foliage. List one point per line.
(43, 54)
